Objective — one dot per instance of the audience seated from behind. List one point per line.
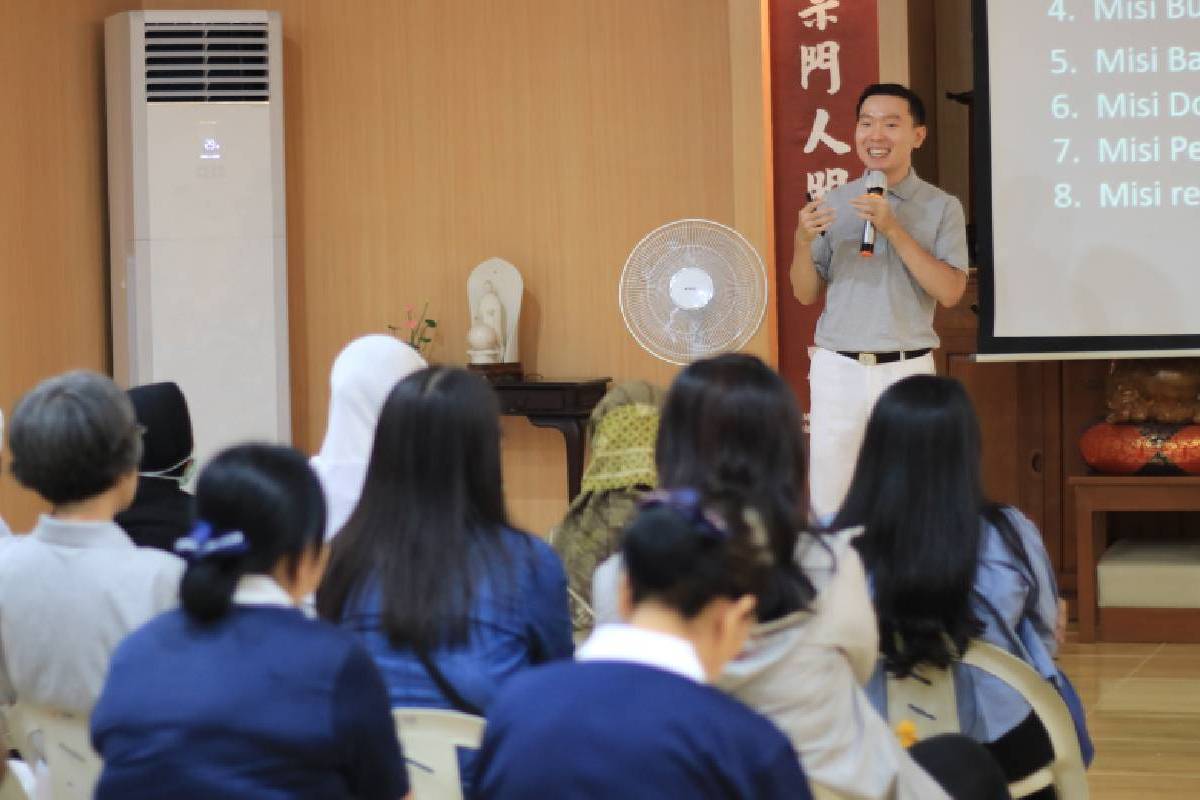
(72, 588)
(362, 375)
(162, 511)
(239, 694)
(635, 716)
(731, 424)
(621, 435)
(947, 565)
(449, 599)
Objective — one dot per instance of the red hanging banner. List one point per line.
(823, 53)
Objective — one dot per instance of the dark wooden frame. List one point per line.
(1094, 497)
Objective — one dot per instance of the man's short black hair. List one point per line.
(915, 106)
(73, 437)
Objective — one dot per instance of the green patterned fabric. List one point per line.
(622, 449)
(623, 428)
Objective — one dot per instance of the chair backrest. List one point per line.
(11, 787)
(1066, 772)
(928, 701)
(431, 738)
(926, 698)
(61, 740)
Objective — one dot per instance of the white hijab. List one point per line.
(361, 379)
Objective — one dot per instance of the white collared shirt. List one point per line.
(261, 590)
(621, 642)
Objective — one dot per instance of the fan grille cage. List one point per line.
(681, 335)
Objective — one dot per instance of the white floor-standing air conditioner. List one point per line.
(196, 215)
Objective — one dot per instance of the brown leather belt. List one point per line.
(871, 359)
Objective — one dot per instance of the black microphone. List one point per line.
(876, 183)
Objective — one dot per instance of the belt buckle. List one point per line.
(867, 359)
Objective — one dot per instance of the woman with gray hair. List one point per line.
(75, 441)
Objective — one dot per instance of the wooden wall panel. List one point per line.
(425, 136)
(894, 48)
(923, 79)
(955, 73)
(53, 242)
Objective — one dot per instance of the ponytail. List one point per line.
(206, 592)
(259, 506)
(215, 563)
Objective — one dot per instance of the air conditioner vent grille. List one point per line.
(210, 62)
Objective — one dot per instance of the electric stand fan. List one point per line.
(691, 289)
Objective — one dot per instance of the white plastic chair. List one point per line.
(928, 701)
(430, 738)
(11, 788)
(60, 740)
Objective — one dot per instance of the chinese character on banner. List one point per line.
(821, 182)
(814, 124)
(819, 136)
(817, 14)
(823, 56)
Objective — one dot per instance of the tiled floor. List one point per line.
(1143, 706)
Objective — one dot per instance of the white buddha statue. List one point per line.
(494, 291)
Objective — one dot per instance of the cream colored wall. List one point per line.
(422, 137)
(893, 41)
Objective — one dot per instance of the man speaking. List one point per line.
(877, 326)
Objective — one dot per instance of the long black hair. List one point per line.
(268, 494)
(917, 492)
(730, 427)
(430, 514)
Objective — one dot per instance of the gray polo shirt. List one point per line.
(875, 304)
(69, 593)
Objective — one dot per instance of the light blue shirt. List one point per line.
(1014, 619)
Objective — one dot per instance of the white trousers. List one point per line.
(843, 394)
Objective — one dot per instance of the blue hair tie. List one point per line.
(688, 504)
(200, 543)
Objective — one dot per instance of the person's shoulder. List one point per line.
(929, 192)
(146, 637)
(1018, 518)
(15, 547)
(291, 622)
(290, 635)
(736, 715)
(534, 547)
(155, 562)
(19, 555)
(534, 685)
(160, 559)
(1023, 525)
(1027, 530)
